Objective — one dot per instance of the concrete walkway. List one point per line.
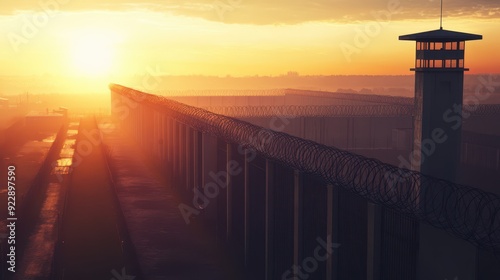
(92, 246)
(166, 247)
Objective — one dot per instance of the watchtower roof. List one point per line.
(440, 35)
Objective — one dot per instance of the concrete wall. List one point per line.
(383, 138)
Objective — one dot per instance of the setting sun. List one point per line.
(92, 53)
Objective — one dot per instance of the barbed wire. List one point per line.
(223, 92)
(388, 110)
(375, 105)
(372, 98)
(483, 110)
(468, 213)
(313, 110)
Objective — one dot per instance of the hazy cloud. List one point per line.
(276, 11)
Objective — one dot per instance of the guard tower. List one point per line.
(439, 76)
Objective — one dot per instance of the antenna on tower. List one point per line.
(441, 17)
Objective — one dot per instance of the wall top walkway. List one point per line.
(166, 247)
(464, 211)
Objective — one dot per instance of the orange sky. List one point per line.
(116, 38)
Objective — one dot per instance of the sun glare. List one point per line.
(92, 53)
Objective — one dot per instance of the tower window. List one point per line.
(439, 63)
